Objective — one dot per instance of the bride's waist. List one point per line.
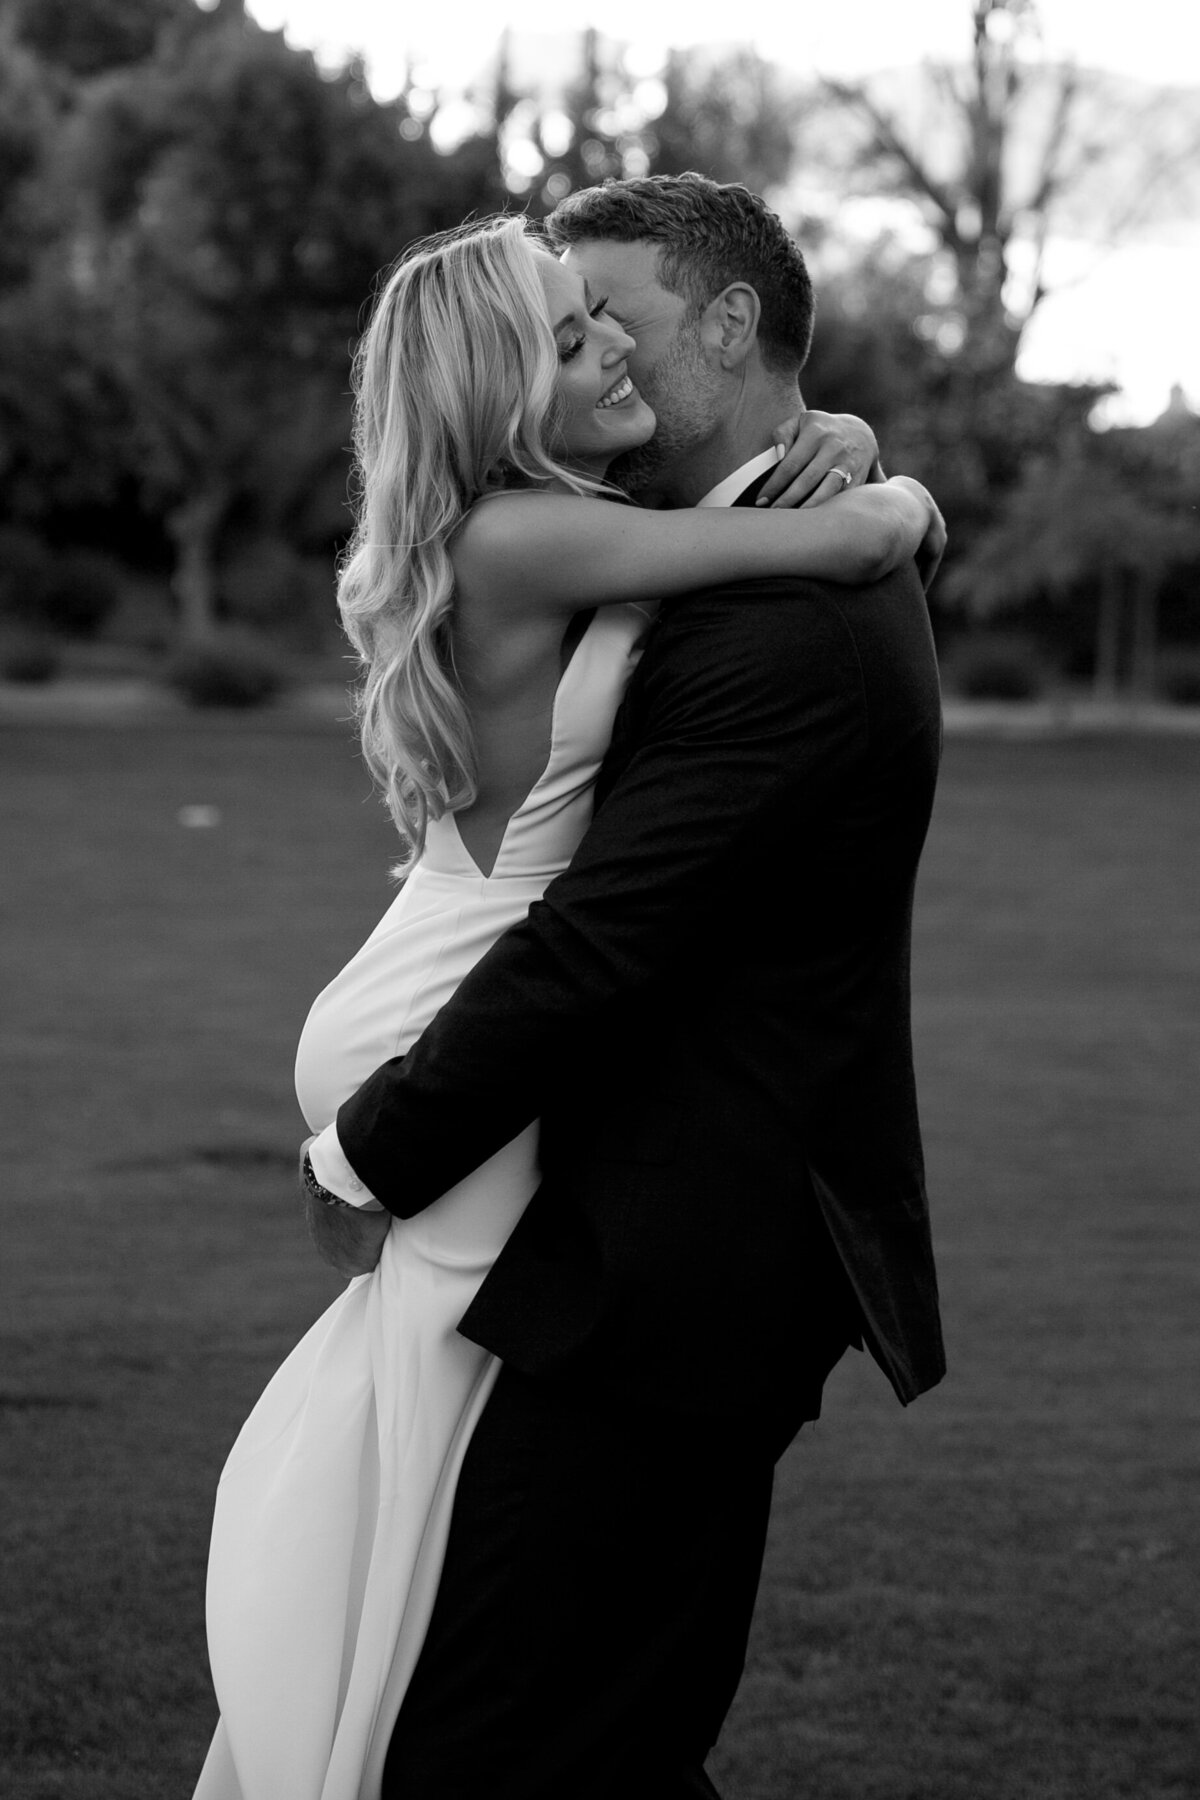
(435, 931)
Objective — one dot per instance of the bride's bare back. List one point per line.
(509, 681)
(528, 565)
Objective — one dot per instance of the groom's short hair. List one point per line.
(710, 234)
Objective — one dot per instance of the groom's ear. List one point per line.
(729, 325)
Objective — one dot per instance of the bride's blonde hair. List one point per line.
(455, 389)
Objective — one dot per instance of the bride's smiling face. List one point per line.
(602, 413)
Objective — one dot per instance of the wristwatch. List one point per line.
(313, 1186)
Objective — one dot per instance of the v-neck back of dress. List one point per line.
(542, 833)
(448, 911)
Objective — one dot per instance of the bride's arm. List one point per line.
(537, 554)
(821, 455)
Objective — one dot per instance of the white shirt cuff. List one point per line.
(331, 1169)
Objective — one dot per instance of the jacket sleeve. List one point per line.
(751, 696)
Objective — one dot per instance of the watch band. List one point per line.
(313, 1186)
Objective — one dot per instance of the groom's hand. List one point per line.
(349, 1238)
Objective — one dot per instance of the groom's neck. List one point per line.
(744, 432)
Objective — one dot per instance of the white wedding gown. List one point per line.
(333, 1508)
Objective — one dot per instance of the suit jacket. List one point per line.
(709, 1011)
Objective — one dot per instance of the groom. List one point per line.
(709, 1012)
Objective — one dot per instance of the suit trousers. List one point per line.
(591, 1621)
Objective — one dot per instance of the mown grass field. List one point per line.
(990, 1596)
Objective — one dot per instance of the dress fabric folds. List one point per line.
(334, 1505)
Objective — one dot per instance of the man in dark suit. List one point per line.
(709, 1011)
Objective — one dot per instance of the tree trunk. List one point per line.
(1145, 637)
(1108, 635)
(193, 528)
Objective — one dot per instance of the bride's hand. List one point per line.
(931, 548)
(821, 448)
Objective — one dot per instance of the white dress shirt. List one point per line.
(727, 491)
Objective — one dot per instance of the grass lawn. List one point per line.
(989, 1596)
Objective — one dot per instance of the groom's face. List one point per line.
(668, 366)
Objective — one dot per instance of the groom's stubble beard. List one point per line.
(684, 396)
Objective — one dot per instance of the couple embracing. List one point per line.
(614, 1112)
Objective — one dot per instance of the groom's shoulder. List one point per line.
(764, 648)
(785, 620)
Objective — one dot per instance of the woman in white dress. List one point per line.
(492, 396)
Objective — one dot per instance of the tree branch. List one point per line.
(890, 143)
(1051, 166)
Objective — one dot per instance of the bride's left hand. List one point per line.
(821, 449)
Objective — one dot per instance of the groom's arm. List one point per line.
(757, 698)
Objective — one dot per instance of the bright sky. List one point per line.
(1100, 326)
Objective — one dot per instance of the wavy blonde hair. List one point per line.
(455, 397)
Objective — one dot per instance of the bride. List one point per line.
(492, 395)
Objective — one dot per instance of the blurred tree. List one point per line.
(998, 157)
(61, 412)
(727, 115)
(874, 347)
(64, 416)
(237, 206)
(31, 212)
(1110, 514)
(877, 352)
(84, 40)
(593, 148)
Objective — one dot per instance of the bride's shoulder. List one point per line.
(496, 515)
(516, 512)
(517, 537)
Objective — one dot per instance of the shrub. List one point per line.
(70, 591)
(29, 656)
(26, 573)
(82, 591)
(233, 669)
(144, 616)
(267, 584)
(995, 668)
(1178, 676)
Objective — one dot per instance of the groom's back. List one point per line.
(757, 1104)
